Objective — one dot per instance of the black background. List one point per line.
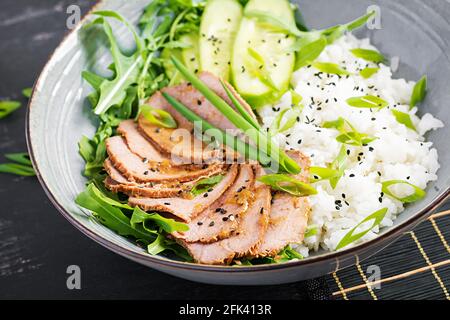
(36, 243)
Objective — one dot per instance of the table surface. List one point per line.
(36, 243)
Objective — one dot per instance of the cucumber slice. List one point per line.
(191, 55)
(220, 23)
(262, 64)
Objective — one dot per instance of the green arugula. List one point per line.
(145, 219)
(27, 92)
(368, 55)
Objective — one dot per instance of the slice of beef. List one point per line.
(223, 218)
(288, 217)
(137, 169)
(254, 225)
(138, 144)
(187, 209)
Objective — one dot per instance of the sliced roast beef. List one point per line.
(137, 169)
(187, 209)
(223, 218)
(245, 243)
(288, 217)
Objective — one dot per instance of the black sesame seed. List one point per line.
(200, 223)
(211, 224)
(351, 175)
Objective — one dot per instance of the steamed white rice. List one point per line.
(399, 153)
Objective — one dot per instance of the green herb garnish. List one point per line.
(349, 135)
(404, 118)
(144, 219)
(366, 73)
(351, 236)
(7, 107)
(419, 92)
(27, 92)
(158, 117)
(417, 195)
(368, 55)
(205, 184)
(22, 165)
(330, 68)
(368, 101)
(309, 52)
(285, 183)
(237, 120)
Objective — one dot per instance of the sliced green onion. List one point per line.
(417, 195)
(296, 98)
(309, 52)
(349, 135)
(244, 113)
(7, 107)
(330, 68)
(320, 173)
(311, 230)
(368, 101)
(168, 225)
(419, 92)
(368, 55)
(366, 73)
(404, 118)
(286, 163)
(21, 158)
(17, 169)
(27, 92)
(158, 117)
(276, 127)
(238, 145)
(351, 236)
(260, 71)
(205, 184)
(282, 182)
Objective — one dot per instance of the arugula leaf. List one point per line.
(168, 225)
(311, 230)
(419, 92)
(7, 107)
(368, 101)
(205, 184)
(404, 118)
(109, 214)
(162, 244)
(351, 237)
(417, 195)
(368, 55)
(366, 73)
(330, 68)
(285, 183)
(27, 92)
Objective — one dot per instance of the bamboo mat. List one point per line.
(417, 266)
